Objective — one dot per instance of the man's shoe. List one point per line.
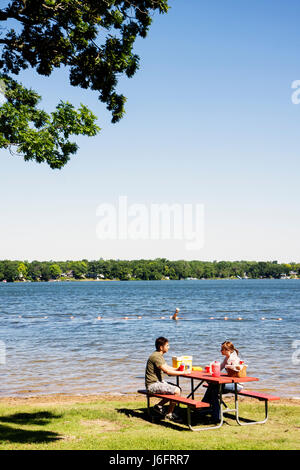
(159, 409)
(173, 417)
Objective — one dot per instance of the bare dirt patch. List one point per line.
(66, 399)
(100, 425)
(69, 438)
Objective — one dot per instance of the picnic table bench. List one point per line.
(261, 397)
(253, 394)
(189, 402)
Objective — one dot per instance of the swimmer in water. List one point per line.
(175, 316)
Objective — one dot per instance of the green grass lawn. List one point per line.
(123, 425)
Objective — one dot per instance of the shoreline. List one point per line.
(57, 398)
(154, 280)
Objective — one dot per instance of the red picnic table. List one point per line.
(191, 403)
(202, 377)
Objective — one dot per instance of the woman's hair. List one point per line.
(229, 347)
(161, 341)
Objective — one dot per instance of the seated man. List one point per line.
(155, 367)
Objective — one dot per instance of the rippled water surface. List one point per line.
(47, 351)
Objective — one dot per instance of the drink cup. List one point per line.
(207, 369)
(215, 369)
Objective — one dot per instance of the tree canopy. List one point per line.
(93, 39)
(142, 269)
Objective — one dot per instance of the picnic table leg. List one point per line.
(148, 408)
(193, 390)
(150, 415)
(221, 402)
(206, 428)
(237, 411)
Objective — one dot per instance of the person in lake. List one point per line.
(156, 366)
(175, 316)
(231, 361)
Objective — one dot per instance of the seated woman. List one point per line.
(231, 361)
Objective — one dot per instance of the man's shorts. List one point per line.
(163, 387)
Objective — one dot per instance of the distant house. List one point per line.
(67, 274)
(293, 274)
(284, 276)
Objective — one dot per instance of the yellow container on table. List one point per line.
(176, 361)
(186, 360)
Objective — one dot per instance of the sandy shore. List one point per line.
(56, 399)
(68, 399)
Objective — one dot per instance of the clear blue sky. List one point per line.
(209, 120)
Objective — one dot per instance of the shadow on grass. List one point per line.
(232, 416)
(142, 413)
(40, 418)
(198, 418)
(13, 434)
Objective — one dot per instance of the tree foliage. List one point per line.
(93, 39)
(156, 269)
(36, 134)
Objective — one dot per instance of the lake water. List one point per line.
(48, 352)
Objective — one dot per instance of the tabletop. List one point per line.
(222, 379)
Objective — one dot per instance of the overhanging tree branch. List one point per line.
(51, 34)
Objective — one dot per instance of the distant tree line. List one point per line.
(142, 269)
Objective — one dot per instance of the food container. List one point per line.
(188, 362)
(178, 360)
(237, 373)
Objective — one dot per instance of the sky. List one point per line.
(210, 122)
